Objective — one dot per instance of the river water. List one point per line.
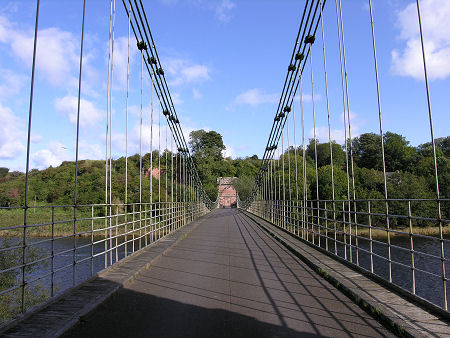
(66, 274)
(427, 285)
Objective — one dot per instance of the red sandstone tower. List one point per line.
(227, 193)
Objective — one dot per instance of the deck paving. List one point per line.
(64, 311)
(405, 315)
(228, 278)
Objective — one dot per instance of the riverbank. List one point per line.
(382, 234)
(43, 222)
(84, 230)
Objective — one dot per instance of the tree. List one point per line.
(243, 186)
(442, 144)
(367, 151)
(3, 172)
(206, 144)
(404, 185)
(324, 155)
(398, 154)
(325, 183)
(207, 150)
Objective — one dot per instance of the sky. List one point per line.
(225, 63)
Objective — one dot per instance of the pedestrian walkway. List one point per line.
(228, 278)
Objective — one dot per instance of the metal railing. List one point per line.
(61, 252)
(405, 255)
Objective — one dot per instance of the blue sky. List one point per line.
(225, 62)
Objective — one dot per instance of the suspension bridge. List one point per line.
(167, 261)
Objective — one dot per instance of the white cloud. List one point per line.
(436, 31)
(229, 151)
(58, 52)
(196, 94)
(134, 134)
(10, 83)
(89, 113)
(176, 98)
(307, 98)
(223, 10)
(57, 152)
(53, 156)
(183, 71)
(134, 138)
(255, 97)
(91, 151)
(337, 135)
(11, 134)
(121, 59)
(36, 138)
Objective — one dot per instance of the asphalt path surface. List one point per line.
(228, 278)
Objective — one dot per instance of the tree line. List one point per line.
(409, 170)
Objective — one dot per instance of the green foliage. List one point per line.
(398, 154)
(207, 148)
(243, 186)
(442, 144)
(206, 144)
(3, 171)
(325, 186)
(367, 151)
(404, 185)
(10, 305)
(56, 185)
(324, 154)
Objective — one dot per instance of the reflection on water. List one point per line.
(90, 258)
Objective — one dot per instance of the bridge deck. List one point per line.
(228, 278)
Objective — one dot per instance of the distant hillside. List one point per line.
(56, 185)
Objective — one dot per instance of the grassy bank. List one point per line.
(63, 223)
(425, 231)
(40, 222)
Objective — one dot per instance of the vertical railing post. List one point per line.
(326, 226)
(92, 240)
(369, 211)
(52, 291)
(345, 229)
(125, 237)
(133, 220)
(110, 226)
(106, 235)
(411, 241)
(74, 249)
